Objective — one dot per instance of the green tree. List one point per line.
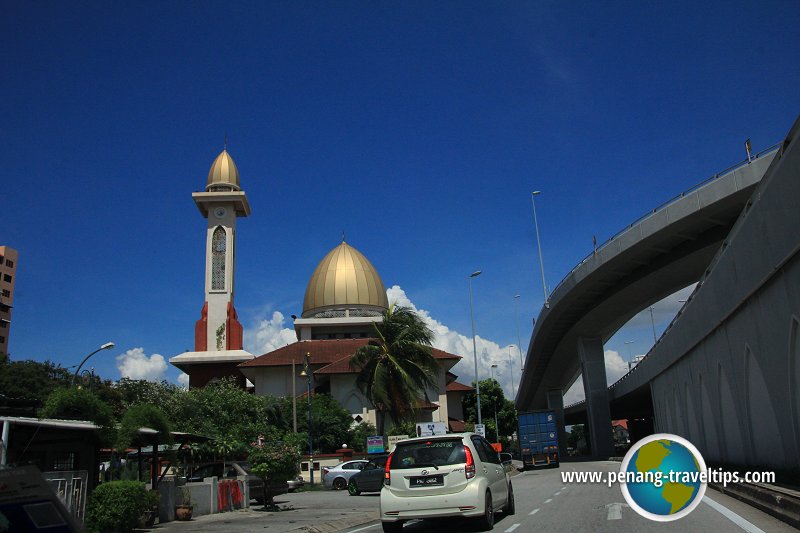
(24, 385)
(139, 416)
(492, 400)
(357, 438)
(397, 368)
(330, 422)
(80, 404)
(274, 463)
(223, 410)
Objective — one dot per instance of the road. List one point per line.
(543, 502)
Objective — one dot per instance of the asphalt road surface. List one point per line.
(544, 503)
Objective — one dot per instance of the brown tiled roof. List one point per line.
(456, 426)
(323, 351)
(342, 366)
(455, 386)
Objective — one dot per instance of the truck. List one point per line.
(538, 438)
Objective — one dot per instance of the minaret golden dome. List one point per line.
(223, 174)
(344, 284)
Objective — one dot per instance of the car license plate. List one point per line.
(427, 481)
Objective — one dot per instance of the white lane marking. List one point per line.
(733, 517)
(615, 511)
(548, 500)
(557, 493)
(512, 528)
(533, 512)
(564, 487)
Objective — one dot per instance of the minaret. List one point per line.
(218, 333)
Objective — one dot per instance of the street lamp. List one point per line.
(653, 322)
(519, 341)
(474, 348)
(511, 371)
(496, 427)
(106, 346)
(534, 194)
(307, 373)
(630, 357)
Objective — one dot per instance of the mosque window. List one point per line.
(218, 244)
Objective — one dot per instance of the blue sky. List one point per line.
(417, 128)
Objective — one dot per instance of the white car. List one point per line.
(455, 475)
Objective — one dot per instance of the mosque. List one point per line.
(344, 298)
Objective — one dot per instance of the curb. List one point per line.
(339, 525)
(783, 504)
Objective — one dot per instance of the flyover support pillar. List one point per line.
(555, 402)
(593, 368)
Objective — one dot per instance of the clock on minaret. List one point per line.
(218, 333)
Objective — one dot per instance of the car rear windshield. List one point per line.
(434, 452)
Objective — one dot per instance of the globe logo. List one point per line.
(663, 477)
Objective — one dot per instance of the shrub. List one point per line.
(116, 506)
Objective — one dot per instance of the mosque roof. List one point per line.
(223, 172)
(344, 279)
(333, 353)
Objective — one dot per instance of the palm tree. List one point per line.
(397, 368)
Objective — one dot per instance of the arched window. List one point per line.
(218, 244)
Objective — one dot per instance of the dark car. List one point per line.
(370, 478)
(234, 469)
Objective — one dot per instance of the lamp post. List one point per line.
(474, 347)
(511, 371)
(496, 427)
(106, 346)
(307, 373)
(653, 322)
(519, 340)
(630, 357)
(534, 194)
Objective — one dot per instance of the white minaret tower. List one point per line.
(218, 333)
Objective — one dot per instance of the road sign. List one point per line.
(375, 444)
(480, 429)
(427, 429)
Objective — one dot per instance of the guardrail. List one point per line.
(664, 205)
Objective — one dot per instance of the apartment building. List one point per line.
(8, 270)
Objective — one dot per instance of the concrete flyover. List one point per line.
(726, 372)
(662, 252)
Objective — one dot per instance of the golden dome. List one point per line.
(223, 174)
(344, 279)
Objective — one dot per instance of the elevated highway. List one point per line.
(664, 251)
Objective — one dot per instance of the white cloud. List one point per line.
(616, 367)
(269, 335)
(183, 380)
(134, 364)
(488, 352)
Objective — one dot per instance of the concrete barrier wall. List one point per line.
(731, 371)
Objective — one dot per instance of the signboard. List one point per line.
(394, 439)
(480, 429)
(428, 429)
(375, 444)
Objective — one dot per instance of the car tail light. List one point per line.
(387, 477)
(325, 470)
(470, 468)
